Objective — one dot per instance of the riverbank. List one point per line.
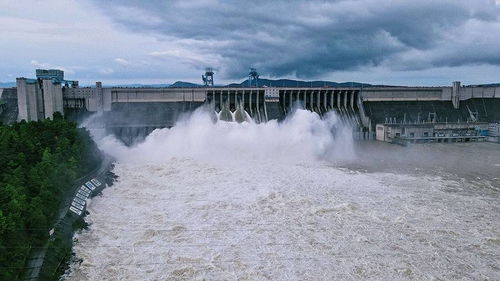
(50, 261)
(41, 162)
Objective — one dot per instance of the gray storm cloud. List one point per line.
(307, 38)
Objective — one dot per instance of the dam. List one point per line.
(381, 112)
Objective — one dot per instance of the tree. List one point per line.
(39, 162)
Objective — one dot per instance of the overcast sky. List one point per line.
(420, 42)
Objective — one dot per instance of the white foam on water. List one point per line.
(304, 136)
(228, 201)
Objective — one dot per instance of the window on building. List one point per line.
(426, 134)
(412, 135)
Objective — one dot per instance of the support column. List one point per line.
(332, 96)
(258, 111)
(250, 103)
(282, 99)
(318, 102)
(290, 99)
(345, 99)
(265, 110)
(99, 97)
(311, 100)
(352, 101)
(339, 106)
(220, 100)
(23, 102)
(235, 100)
(455, 94)
(325, 100)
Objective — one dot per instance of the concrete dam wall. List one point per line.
(131, 122)
(132, 113)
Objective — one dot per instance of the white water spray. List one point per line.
(303, 136)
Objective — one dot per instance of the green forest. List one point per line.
(39, 162)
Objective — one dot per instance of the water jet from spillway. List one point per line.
(225, 113)
(240, 115)
(305, 133)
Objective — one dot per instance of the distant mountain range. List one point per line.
(181, 84)
(277, 83)
(488, 85)
(7, 84)
(298, 83)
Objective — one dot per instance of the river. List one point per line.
(298, 200)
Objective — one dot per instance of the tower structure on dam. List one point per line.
(253, 78)
(208, 78)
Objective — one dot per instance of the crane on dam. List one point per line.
(208, 78)
(253, 77)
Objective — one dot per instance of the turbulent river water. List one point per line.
(297, 200)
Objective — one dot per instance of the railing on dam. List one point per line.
(157, 94)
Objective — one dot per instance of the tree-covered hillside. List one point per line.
(39, 161)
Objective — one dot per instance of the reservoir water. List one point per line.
(298, 200)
